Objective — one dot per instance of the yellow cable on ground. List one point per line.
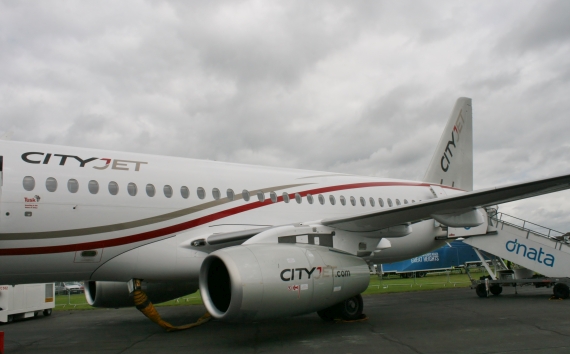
(144, 305)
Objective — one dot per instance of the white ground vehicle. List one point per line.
(28, 300)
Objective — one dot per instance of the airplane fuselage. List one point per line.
(71, 213)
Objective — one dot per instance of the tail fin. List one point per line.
(452, 162)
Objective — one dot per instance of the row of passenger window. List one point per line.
(29, 184)
(93, 187)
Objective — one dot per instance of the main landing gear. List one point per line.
(347, 310)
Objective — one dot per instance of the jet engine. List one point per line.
(116, 294)
(259, 281)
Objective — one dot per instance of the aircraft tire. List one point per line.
(481, 290)
(351, 309)
(561, 291)
(496, 289)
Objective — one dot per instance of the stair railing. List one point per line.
(528, 226)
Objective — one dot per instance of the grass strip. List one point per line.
(378, 285)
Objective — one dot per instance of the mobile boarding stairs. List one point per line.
(531, 246)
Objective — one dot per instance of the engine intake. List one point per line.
(259, 281)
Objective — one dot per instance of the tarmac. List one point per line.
(439, 321)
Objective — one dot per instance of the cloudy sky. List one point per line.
(361, 87)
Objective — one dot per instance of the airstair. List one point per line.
(538, 249)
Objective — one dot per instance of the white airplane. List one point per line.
(259, 242)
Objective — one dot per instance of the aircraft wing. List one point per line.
(446, 205)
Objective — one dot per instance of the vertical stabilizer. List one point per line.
(452, 162)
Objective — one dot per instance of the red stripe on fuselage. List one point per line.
(149, 235)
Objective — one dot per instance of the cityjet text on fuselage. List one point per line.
(95, 162)
(447, 154)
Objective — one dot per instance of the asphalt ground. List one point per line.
(439, 321)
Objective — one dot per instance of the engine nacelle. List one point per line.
(259, 281)
(116, 294)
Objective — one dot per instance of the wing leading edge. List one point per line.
(448, 205)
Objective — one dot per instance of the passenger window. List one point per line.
(332, 199)
(389, 202)
(29, 183)
(321, 199)
(93, 187)
(273, 197)
(245, 195)
(381, 202)
(362, 201)
(201, 192)
(310, 198)
(167, 191)
(51, 184)
(216, 193)
(113, 188)
(150, 190)
(372, 202)
(230, 193)
(398, 202)
(298, 198)
(413, 201)
(72, 185)
(405, 201)
(352, 201)
(132, 189)
(184, 192)
(342, 200)
(261, 196)
(286, 198)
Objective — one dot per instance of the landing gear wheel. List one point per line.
(496, 289)
(47, 312)
(561, 291)
(351, 309)
(328, 314)
(481, 290)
